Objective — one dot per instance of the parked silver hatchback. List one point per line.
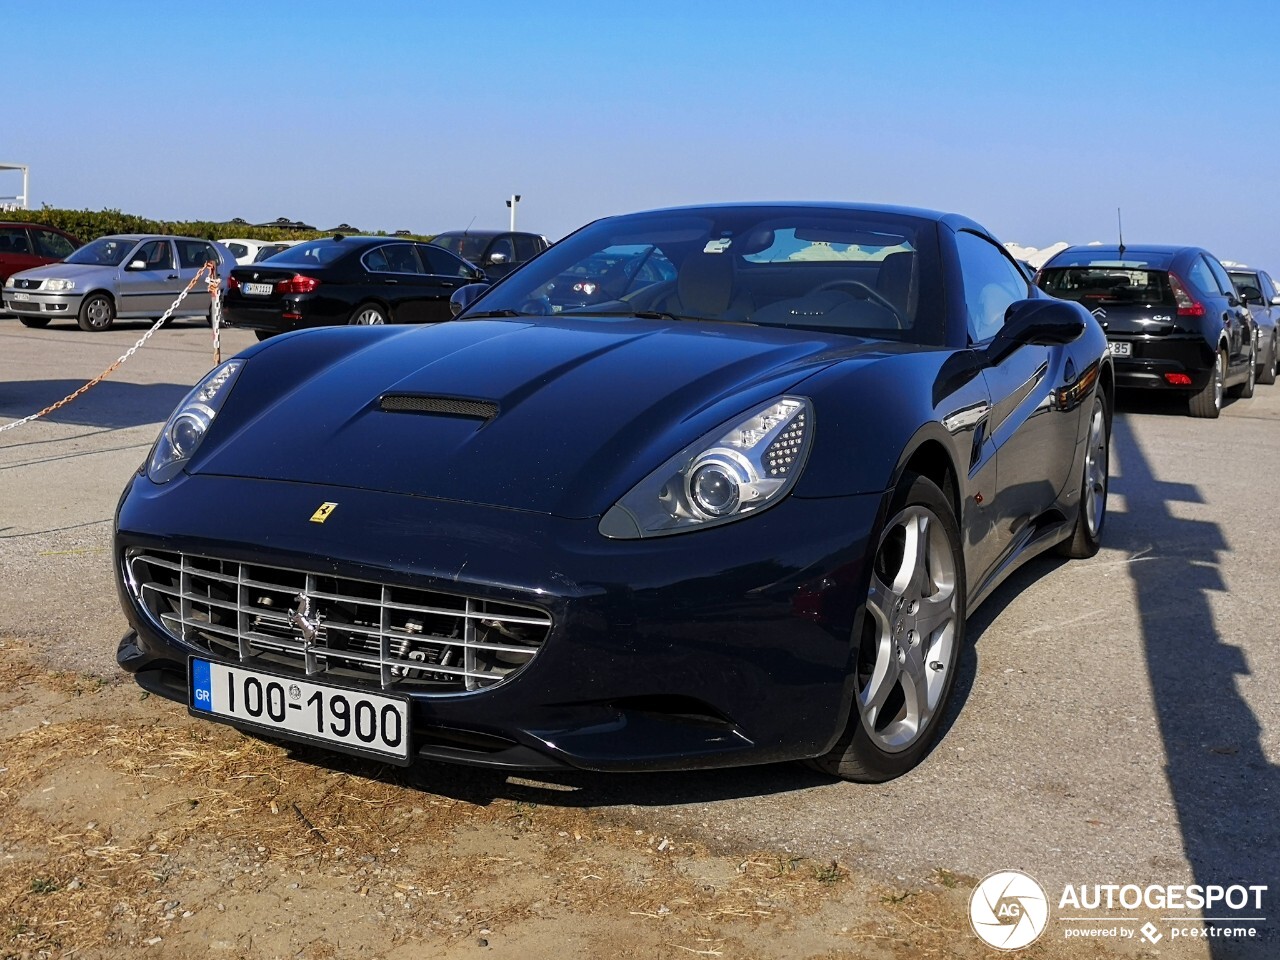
(129, 276)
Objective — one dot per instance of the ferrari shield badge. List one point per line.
(322, 513)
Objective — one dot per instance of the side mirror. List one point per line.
(497, 258)
(1040, 322)
(478, 275)
(1234, 301)
(137, 265)
(1275, 301)
(463, 297)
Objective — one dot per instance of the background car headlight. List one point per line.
(56, 285)
(728, 474)
(10, 282)
(190, 421)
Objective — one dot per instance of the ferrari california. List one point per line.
(738, 513)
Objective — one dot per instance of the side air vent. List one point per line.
(449, 406)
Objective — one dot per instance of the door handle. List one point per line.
(390, 281)
(173, 276)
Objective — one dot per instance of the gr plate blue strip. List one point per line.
(201, 686)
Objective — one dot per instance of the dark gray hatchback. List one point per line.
(1174, 320)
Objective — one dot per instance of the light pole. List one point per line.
(511, 205)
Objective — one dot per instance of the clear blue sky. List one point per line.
(1035, 119)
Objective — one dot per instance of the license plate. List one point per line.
(22, 296)
(1117, 349)
(342, 718)
(258, 289)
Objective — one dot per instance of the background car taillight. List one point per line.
(1188, 306)
(297, 284)
(233, 284)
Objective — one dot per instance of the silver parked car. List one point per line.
(128, 276)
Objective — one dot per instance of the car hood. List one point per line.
(65, 271)
(582, 409)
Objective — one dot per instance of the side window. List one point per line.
(50, 244)
(158, 255)
(991, 282)
(1220, 275)
(1201, 277)
(375, 260)
(238, 250)
(401, 258)
(13, 240)
(192, 254)
(441, 263)
(526, 247)
(1268, 286)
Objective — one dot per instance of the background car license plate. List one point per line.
(343, 718)
(258, 289)
(1117, 349)
(22, 296)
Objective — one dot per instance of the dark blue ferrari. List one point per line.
(736, 513)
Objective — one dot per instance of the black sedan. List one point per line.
(365, 281)
(732, 517)
(1173, 318)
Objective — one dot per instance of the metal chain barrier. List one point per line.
(209, 270)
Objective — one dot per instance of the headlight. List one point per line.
(189, 423)
(56, 285)
(728, 474)
(9, 282)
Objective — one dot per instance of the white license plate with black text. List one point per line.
(1117, 349)
(342, 718)
(258, 289)
(22, 296)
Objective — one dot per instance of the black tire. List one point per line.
(369, 315)
(1245, 390)
(1268, 374)
(1095, 480)
(885, 633)
(1207, 404)
(35, 323)
(264, 334)
(97, 312)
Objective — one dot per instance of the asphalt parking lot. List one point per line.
(1118, 719)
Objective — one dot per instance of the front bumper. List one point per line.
(43, 304)
(722, 647)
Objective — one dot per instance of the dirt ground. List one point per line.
(128, 827)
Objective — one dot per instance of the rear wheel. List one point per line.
(1207, 404)
(368, 315)
(907, 639)
(264, 334)
(1086, 538)
(97, 312)
(35, 323)
(1268, 374)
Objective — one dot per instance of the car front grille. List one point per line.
(21, 284)
(408, 638)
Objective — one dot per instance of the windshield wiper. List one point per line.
(495, 313)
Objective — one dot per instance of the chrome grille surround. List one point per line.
(408, 638)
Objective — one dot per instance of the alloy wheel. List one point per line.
(909, 630)
(369, 316)
(1095, 471)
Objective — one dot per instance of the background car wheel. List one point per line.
(907, 639)
(1245, 390)
(1207, 404)
(369, 315)
(264, 334)
(1086, 538)
(97, 312)
(34, 323)
(1268, 374)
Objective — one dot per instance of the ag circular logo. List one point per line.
(1008, 910)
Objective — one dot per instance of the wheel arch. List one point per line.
(378, 302)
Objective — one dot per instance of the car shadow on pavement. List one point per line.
(111, 404)
(1223, 788)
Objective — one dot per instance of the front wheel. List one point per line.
(97, 312)
(1086, 538)
(907, 639)
(1268, 374)
(1245, 390)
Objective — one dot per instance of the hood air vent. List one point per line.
(449, 406)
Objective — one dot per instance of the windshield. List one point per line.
(103, 252)
(312, 254)
(869, 274)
